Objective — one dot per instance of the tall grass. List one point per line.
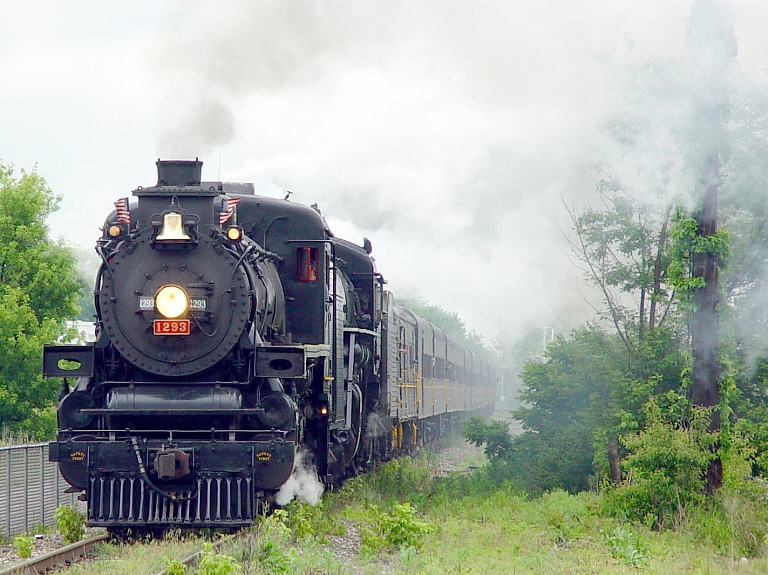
(402, 519)
(14, 437)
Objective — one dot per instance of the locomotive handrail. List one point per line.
(243, 384)
(173, 411)
(120, 436)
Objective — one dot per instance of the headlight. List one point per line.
(171, 301)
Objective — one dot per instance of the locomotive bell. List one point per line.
(173, 228)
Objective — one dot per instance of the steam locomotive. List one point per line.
(236, 333)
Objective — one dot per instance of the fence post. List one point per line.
(42, 485)
(57, 475)
(8, 493)
(26, 489)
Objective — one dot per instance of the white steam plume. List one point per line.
(303, 483)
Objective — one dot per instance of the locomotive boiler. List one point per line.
(233, 331)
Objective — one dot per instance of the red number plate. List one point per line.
(171, 327)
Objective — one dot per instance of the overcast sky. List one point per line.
(447, 132)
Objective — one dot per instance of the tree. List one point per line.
(575, 401)
(38, 291)
(621, 248)
(708, 60)
(449, 322)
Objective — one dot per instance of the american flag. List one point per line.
(123, 211)
(227, 208)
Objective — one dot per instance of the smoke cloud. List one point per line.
(449, 133)
(200, 130)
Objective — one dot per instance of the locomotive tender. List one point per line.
(234, 331)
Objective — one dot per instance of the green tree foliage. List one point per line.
(666, 463)
(584, 392)
(449, 322)
(38, 291)
(621, 247)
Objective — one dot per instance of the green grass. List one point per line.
(413, 524)
(148, 558)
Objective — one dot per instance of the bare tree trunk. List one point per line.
(657, 269)
(705, 390)
(708, 58)
(613, 460)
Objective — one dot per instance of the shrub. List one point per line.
(665, 465)
(397, 530)
(402, 528)
(69, 523)
(306, 521)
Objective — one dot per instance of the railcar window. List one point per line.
(306, 265)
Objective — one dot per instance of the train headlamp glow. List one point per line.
(234, 234)
(171, 301)
(115, 230)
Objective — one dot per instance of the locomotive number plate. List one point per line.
(171, 327)
(196, 303)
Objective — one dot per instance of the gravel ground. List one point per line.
(44, 543)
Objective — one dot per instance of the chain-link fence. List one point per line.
(31, 489)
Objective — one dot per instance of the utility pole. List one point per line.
(708, 59)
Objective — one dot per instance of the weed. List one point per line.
(215, 563)
(735, 521)
(175, 567)
(23, 544)
(397, 530)
(402, 528)
(408, 560)
(267, 546)
(70, 524)
(276, 527)
(273, 558)
(627, 547)
(306, 521)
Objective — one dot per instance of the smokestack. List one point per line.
(179, 172)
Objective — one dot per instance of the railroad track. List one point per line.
(62, 556)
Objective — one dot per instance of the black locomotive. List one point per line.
(233, 332)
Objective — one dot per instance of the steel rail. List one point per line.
(64, 555)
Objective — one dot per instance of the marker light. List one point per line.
(234, 234)
(323, 406)
(115, 230)
(171, 301)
